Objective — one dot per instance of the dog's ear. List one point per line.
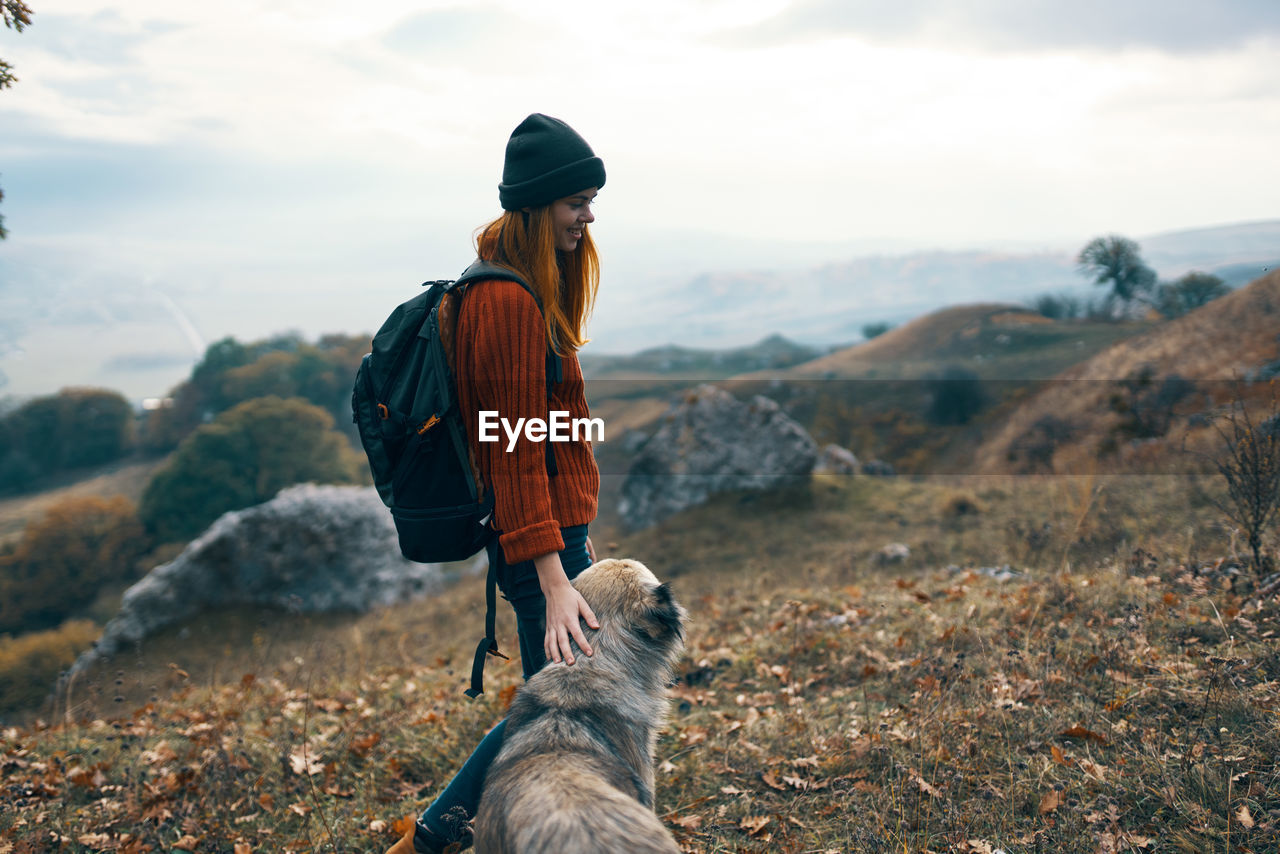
(665, 614)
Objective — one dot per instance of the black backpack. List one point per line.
(405, 408)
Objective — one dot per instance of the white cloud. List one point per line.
(345, 115)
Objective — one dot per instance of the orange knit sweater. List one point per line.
(500, 363)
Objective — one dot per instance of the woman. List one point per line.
(544, 495)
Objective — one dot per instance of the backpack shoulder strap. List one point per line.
(480, 270)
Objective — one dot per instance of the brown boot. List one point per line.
(405, 844)
(419, 840)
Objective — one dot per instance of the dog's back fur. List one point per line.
(575, 773)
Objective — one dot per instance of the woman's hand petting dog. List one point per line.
(565, 606)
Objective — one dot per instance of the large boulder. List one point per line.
(311, 548)
(709, 442)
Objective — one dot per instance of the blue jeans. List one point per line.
(519, 585)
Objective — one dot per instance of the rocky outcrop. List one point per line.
(311, 548)
(708, 442)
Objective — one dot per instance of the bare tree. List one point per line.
(1249, 463)
(1116, 261)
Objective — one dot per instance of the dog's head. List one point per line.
(628, 600)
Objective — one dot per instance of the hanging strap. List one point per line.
(489, 644)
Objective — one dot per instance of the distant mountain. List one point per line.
(830, 303)
(1211, 249)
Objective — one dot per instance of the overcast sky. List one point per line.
(309, 148)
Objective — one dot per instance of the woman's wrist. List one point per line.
(551, 574)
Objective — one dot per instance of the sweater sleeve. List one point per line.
(509, 346)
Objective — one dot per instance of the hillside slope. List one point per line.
(995, 340)
(1230, 338)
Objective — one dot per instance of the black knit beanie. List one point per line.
(546, 160)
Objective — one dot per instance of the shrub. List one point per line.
(244, 457)
(1189, 293)
(30, 664)
(1036, 447)
(1146, 406)
(65, 558)
(956, 396)
(1058, 306)
(1249, 463)
(961, 503)
(874, 330)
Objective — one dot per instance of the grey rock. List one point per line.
(877, 468)
(309, 549)
(836, 460)
(709, 442)
(893, 553)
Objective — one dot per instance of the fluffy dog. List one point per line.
(575, 773)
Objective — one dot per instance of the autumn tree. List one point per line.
(16, 16)
(66, 558)
(74, 428)
(1116, 262)
(244, 457)
(283, 365)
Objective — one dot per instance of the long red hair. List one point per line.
(565, 282)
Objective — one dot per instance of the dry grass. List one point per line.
(1114, 692)
(128, 478)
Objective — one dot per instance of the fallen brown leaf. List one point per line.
(1082, 733)
(1051, 801)
(772, 782)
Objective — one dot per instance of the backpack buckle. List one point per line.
(428, 424)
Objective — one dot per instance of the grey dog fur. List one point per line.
(575, 772)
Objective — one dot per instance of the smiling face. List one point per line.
(570, 215)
